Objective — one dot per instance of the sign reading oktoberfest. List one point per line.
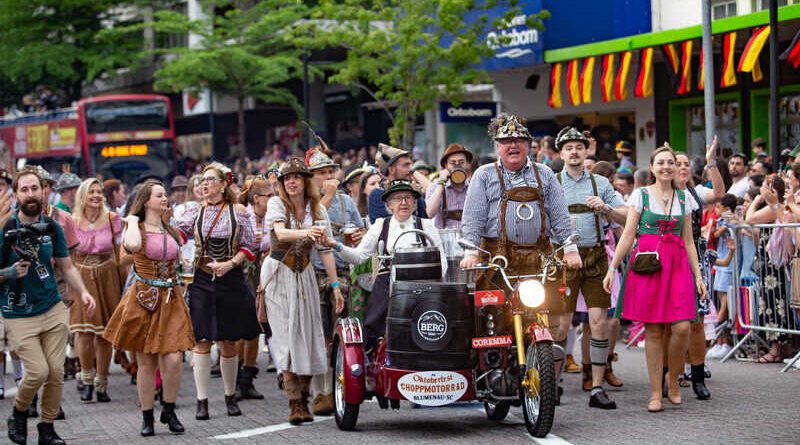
(467, 112)
(432, 388)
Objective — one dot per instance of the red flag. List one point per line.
(792, 53)
(555, 86)
(685, 84)
(701, 77)
(607, 78)
(728, 78)
(573, 87)
(644, 82)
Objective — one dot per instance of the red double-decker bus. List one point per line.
(118, 136)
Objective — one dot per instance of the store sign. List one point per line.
(432, 388)
(467, 112)
(516, 45)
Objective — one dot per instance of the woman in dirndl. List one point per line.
(222, 306)
(97, 260)
(153, 320)
(660, 222)
(290, 284)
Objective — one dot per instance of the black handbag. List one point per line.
(646, 263)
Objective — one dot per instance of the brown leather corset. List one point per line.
(295, 255)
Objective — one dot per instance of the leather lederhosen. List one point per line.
(522, 258)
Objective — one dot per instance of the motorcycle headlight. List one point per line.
(531, 293)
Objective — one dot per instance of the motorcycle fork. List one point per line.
(530, 377)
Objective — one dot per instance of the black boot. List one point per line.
(48, 436)
(244, 387)
(169, 418)
(233, 407)
(18, 426)
(33, 411)
(202, 410)
(60, 415)
(699, 383)
(147, 423)
(102, 397)
(600, 399)
(87, 393)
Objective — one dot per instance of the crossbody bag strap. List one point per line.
(113, 236)
(596, 215)
(541, 200)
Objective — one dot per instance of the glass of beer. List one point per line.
(187, 272)
(348, 230)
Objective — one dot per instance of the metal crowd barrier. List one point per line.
(759, 299)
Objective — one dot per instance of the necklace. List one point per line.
(159, 229)
(92, 221)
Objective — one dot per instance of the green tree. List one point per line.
(59, 43)
(242, 52)
(408, 53)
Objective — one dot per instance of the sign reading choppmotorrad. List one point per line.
(432, 388)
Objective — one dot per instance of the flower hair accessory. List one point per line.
(226, 172)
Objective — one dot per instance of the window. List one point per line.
(722, 9)
(763, 5)
(174, 40)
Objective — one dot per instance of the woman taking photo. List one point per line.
(153, 320)
(401, 201)
(658, 288)
(297, 221)
(97, 259)
(222, 307)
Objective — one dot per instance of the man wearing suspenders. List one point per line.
(588, 197)
(342, 214)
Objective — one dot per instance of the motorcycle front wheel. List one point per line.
(539, 404)
(346, 413)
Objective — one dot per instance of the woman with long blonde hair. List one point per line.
(221, 304)
(97, 260)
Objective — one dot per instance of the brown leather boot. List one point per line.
(292, 387)
(610, 378)
(307, 416)
(295, 412)
(587, 377)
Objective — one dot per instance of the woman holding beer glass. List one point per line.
(153, 320)
(297, 223)
(222, 306)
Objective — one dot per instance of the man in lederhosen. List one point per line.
(589, 198)
(514, 208)
(445, 197)
(343, 216)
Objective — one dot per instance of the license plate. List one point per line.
(499, 341)
(489, 297)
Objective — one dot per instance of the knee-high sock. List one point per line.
(202, 374)
(71, 351)
(229, 366)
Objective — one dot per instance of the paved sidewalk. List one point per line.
(751, 403)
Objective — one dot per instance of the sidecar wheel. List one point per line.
(496, 411)
(346, 414)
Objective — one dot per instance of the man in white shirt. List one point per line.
(737, 166)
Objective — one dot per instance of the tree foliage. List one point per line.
(240, 51)
(408, 53)
(58, 42)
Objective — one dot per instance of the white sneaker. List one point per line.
(722, 351)
(712, 352)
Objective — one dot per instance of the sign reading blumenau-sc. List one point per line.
(467, 111)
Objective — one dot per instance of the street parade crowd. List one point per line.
(154, 276)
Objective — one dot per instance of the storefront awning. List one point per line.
(720, 26)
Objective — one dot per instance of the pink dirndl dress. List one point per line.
(666, 296)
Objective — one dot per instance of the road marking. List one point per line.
(551, 439)
(265, 430)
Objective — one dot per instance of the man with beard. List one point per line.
(343, 216)
(590, 198)
(394, 164)
(35, 317)
(737, 166)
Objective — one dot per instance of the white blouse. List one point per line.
(369, 244)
